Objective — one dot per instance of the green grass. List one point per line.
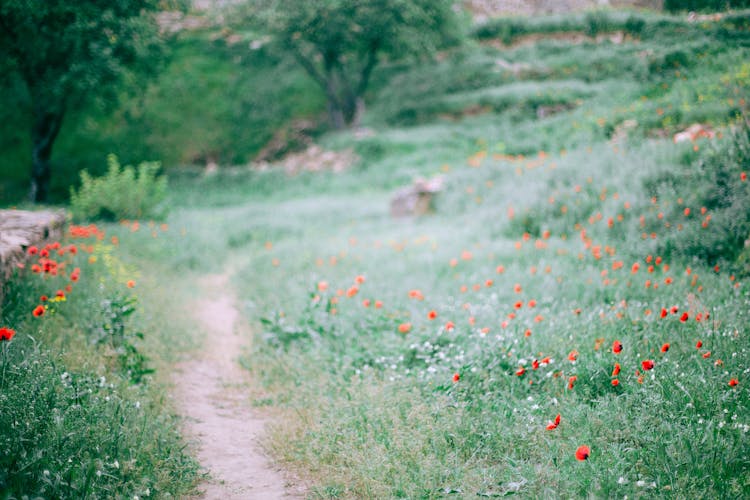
(83, 415)
(371, 412)
(374, 413)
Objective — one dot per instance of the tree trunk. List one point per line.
(336, 112)
(44, 131)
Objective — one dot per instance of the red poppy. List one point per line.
(685, 316)
(732, 382)
(706, 354)
(456, 377)
(366, 302)
(38, 311)
(743, 176)
(617, 347)
(450, 325)
(553, 425)
(583, 453)
(6, 333)
(616, 370)
(378, 304)
(647, 364)
(665, 347)
(431, 315)
(674, 309)
(535, 365)
(698, 344)
(36, 268)
(60, 294)
(32, 250)
(615, 382)
(531, 303)
(572, 381)
(404, 327)
(359, 279)
(521, 370)
(573, 355)
(131, 284)
(351, 292)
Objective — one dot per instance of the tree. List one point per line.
(340, 42)
(67, 52)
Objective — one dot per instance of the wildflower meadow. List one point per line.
(567, 317)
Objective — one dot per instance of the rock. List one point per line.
(19, 229)
(693, 132)
(416, 199)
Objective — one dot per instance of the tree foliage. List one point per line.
(340, 42)
(65, 52)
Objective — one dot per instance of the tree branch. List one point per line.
(308, 66)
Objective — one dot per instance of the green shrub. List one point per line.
(712, 188)
(678, 5)
(121, 193)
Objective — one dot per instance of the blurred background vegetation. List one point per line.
(228, 84)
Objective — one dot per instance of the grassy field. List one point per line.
(83, 381)
(427, 357)
(578, 263)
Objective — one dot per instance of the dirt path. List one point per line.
(211, 393)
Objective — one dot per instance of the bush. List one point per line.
(121, 194)
(678, 5)
(707, 204)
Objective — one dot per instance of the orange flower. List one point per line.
(378, 304)
(500, 269)
(366, 302)
(6, 333)
(404, 327)
(359, 279)
(352, 291)
(131, 283)
(38, 311)
(322, 286)
(583, 453)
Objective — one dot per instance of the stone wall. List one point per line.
(20, 229)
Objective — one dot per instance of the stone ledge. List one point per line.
(19, 229)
